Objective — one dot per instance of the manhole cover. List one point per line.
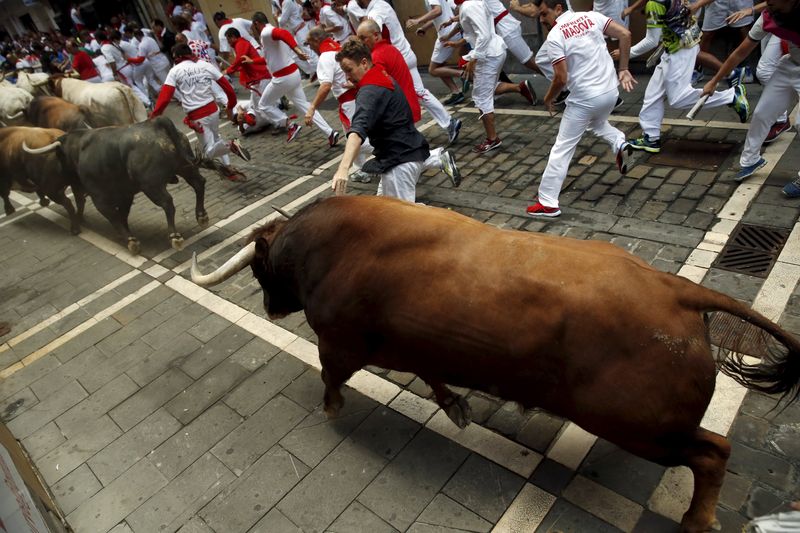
(694, 155)
(752, 250)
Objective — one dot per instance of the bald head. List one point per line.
(369, 33)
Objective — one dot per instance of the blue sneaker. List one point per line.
(740, 103)
(735, 77)
(645, 143)
(697, 76)
(749, 170)
(792, 189)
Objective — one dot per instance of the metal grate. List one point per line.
(752, 250)
(694, 155)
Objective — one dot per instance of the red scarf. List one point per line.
(378, 77)
(226, 21)
(771, 25)
(329, 45)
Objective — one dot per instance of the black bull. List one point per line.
(582, 329)
(115, 163)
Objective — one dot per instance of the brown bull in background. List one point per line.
(54, 112)
(582, 329)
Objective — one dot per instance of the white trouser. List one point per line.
(268, 113)
(349, 109)
(139, 77)
(672, 80)
(401, 181)
(771, 53)
(161, 68)
(290, 86)
(213, 144)
(543, 62)
(428, 101)
(310, 66)
(487, 71)
(126, 76)
(512, 36)
(778, 95)
(591, 115)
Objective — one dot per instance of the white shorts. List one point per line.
(716, 12)
(487, 70)
(517, 46)
(441, 53)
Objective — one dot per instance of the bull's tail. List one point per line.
(777, 372)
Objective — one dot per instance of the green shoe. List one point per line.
(740, 103)
(645, 143)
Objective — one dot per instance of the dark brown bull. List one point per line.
(582, 329)
(43, 174)
(54, 112)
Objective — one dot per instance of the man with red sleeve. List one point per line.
(276, 46)
(190, 82)
(253, 75)
(82, 63)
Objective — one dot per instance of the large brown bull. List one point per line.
(582, 329)
(43, 174)
(54, 112)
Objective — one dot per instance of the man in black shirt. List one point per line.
(384, 116)
(165, 37)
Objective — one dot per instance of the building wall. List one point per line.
(40, 11)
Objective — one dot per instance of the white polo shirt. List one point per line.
(578, 38)
(193, 81)
(477, 26)
(243, 26)
(329, 17)
(382, 13)
(329, 71)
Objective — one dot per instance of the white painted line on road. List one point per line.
(10, 219)
(571, 446)
(526, 512)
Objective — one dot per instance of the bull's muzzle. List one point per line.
(43, 150)
(233, 265)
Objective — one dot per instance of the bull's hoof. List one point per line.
(75, 230)
(44, 202)
(202, 219)
(134, 246)
(459, 411)
(177, 241)
(694, 526)
(9, 209)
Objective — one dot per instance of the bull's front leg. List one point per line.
(43, 200)
(117, 215)
(7, 205)
(158, 195)
(61, 199)
(337, 367)
(454, 405)
(197, 182)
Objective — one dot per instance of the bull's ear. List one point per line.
(262, 247)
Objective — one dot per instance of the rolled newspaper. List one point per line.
(697, 107)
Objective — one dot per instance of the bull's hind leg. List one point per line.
(118, 217)
(337, 367)
(158, 195)
(454, 405)
(61, 199)
(8, 207)
(43, 200)
(197, 182)
(706, 454)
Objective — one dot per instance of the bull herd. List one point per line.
(95, 139)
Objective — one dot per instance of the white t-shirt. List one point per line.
(101, 65)
(447, 14)
(508, 25)
(578, 38)
(76, 18)
(757, 33)
(478, 29)
(149, 48)
(193, 81)
(291, 16)
(243, 26)
(355, 13)
(329, 17)
(382, 13)
(276, 52)
(329, 71)
(113, 55)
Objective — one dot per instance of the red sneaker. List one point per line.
(539, 210)
(776, 130)
(292, 131)
(487, 146)
(527, 92)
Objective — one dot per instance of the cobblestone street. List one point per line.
(149, 404)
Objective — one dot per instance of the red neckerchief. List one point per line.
(378, 77)
(772, 26)
(106, 42)
(329, 45)
(226, 21)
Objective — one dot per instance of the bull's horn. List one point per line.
(14, 116)
(233, 265)
(86, 124)
(281, 211)
(44, 149)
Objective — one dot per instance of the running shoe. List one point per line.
(740, 103)
(561, 99)
(749, 170)
(237, 148)
(646, 144)
(539, 210)
(622, 157)
(776, 130)
(449, 167)
(792, 189)
(292, 131)
(527, 92)
(455, 99)
(697, 76)
(487, 146)
(333, 138)
(361, 176)
(453, 129)
(618, 103)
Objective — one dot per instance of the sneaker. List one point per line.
(539, 210)
(361, 176)
(746, 172)
(747, 75)
(487, 146)
(527, 92)
(453, 130)
(697, 76)
(776, 130)
(284, 103)
(455, 99)
(735, 77)
(333, 138)
(645, 143)
(792, 189)
(449, 167)
(622, 157)
(292, 131)
(740, 103)
(561, 98)
(237, 148)
(618, 103)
